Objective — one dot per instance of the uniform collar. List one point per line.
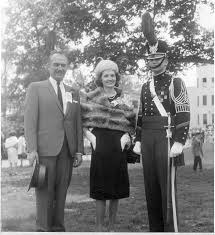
(160, 76)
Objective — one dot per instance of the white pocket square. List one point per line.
(75, 101)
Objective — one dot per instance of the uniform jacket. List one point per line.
(174, 100)
(46, 124)
(179, 110)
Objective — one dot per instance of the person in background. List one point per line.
(197, 144)
(21, 147)
(203, 136)
(108, 129)
(11, 145)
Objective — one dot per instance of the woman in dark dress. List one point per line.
(110, 127)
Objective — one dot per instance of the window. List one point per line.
(204, 82)
(212, 100)
(197, 100)
(197, 82)
(212, 118)
(204, 100)
(212, 79)
(205, 118)
(198, 119)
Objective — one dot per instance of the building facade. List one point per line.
(201, 97)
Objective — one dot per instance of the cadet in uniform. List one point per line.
(152, 137)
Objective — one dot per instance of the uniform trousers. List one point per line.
(154, 148)
(50, 200)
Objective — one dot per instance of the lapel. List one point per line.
(54, 95)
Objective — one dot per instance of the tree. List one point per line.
(106, 23)
(36, 27)
(28, 38)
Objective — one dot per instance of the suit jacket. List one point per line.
(45, 123)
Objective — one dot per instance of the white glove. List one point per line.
(125, 140)
(91, 137)
(176, 149)
(137, 148)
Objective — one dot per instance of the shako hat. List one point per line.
(157, 51)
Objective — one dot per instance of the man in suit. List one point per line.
(53, 132)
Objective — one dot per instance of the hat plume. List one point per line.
(148, 28)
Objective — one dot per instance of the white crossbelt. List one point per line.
(156, 100)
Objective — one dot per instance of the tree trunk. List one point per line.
(4, 87)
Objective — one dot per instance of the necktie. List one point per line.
(59, 94)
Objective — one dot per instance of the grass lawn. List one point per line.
(195, 200)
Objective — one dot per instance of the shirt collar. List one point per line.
(54, 84)
(53, 81)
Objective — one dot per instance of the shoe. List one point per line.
(58, 229)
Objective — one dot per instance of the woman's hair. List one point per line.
(99, 83)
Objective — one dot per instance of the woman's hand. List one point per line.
(137, 148)
(91, 137)
(125, 140)
(77, 160)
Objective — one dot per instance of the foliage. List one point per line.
(107, 24)
(36, 27)
(105, 28)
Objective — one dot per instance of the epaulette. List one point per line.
(181, 101)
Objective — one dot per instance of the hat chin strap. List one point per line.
(154, 67)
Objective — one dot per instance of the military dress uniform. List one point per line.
(172, 94)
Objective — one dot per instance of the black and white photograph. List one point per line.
(107, 116)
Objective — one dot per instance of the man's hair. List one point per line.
(60, 52)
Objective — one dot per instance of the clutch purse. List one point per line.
(131, 156)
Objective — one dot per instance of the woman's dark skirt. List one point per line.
(108, 171)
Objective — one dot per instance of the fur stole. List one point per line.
(98, 111)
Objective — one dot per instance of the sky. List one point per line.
(189, 76)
